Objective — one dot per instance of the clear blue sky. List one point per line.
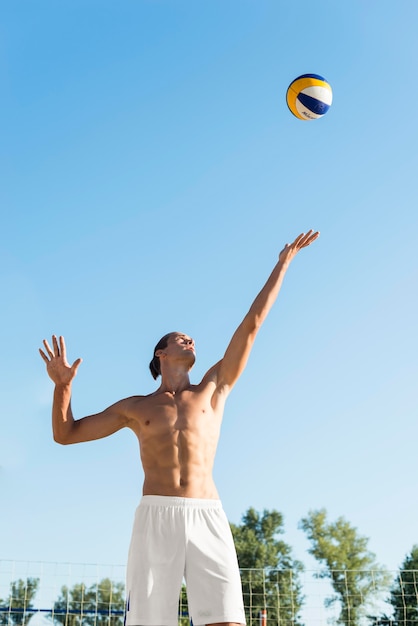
(151, 173)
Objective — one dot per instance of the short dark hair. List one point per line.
(154, 365)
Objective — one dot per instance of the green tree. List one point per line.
(404, 592)
(184, 619)
(101, 604)
(16, 609)
(355, 576)
(270, 576)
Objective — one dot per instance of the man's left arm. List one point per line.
(236, 356)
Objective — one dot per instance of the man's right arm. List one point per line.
(65, 428)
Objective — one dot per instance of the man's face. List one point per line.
(180, 343)
(179, 349)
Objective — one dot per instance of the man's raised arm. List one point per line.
(239, 348)
(65, 428)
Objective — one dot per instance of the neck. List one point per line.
(174, 382)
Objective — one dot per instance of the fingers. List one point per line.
(55, 351)
(310, 237)
(62, 348)
(48, 348)
(305, 239)
(299, 239)
(55, 344)
(43, 355)
(302, 241)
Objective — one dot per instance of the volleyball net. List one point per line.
(68, 594)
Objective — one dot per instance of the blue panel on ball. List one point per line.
(314, 105)
(317, 76)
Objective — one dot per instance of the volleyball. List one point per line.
(309, 96)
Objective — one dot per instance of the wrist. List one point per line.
(63, 387)
(284, 263)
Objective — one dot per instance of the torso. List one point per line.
(178, 436)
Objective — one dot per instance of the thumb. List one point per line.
(76, 365)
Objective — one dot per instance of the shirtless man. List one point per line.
(180, 528)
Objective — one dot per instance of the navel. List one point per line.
(147, 423)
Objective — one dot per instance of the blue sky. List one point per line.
(151, 173)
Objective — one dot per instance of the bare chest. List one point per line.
(169, 414)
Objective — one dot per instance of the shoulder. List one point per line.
(129, 412)
(213, 380)
(126, 407)
(211, 375)
(125, 403)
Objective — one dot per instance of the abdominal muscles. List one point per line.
(178, 455)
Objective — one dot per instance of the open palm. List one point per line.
(302, 241)
(57, 366)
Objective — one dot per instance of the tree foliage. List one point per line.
(101, 604)
(16, 609)
(355, 576)
(404, 592)
(183, 608)
(270, 576)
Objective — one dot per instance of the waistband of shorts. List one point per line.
(175, 501)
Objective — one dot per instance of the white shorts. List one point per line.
(174, 538)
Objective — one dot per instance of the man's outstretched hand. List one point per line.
(302, 241)
(57, 366)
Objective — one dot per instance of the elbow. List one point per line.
(258, 322)
(63, 441)
(254, 326)
(254, 321)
